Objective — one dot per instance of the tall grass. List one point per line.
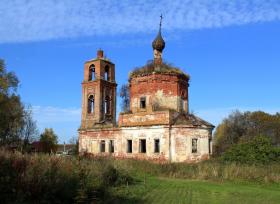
(52, 179)
(207, 170)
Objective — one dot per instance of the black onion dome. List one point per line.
(158, 43)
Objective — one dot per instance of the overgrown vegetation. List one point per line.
(214, 170)
(240, 128)
(256, 151)
(51, 179)
(150, 67)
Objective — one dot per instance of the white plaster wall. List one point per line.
(181, 144)
(148, 133)
(175, 143)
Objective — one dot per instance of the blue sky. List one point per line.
(230, 49)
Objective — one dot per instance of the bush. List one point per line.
(257, 151)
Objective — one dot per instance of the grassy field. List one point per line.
(40, 178)
(166, 190)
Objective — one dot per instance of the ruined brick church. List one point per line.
(157, 126)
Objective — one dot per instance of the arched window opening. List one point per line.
(91, 73)
(91, 104)
(107, 75)
(194, 145)
(184, 102)
(107, 105)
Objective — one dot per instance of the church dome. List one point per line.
(158, 43)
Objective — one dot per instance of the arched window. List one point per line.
(91, 75)
(182, 104)
(91, 104)
(184, 101)
(194, 145)
(107, 105)
(107, 73)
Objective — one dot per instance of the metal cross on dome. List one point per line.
(160, 21)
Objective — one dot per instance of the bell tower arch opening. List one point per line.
(107, 106)
(91, 75)
(91, 104)
(107, 73)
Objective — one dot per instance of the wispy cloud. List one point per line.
(33, 20)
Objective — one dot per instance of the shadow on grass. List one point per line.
(123, 199)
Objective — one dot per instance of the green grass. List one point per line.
(166, 190)
(51, 179)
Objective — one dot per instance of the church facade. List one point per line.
(157, 125)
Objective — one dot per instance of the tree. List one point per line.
(8, 81)
(48, 140)
(17, 127)
(29, 132)
(11, 108)
(125, 95)
(229, 132)
(241, 127)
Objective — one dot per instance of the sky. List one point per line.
(230, 48)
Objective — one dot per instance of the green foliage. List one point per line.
(8, 81)
(11, 109)
(48, 140)
(258, 150)
(240, 127)
(114, 177)
(16, 124)
(11, 120)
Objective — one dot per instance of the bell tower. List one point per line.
(99, 93)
